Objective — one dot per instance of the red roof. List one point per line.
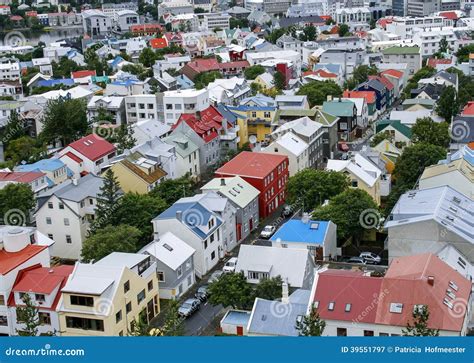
(74, 157)
(343, 287)
(93, 147)
(20, 176)
(392, 73)
(158, 43)
(12, 260)
(369, 96)
(468, 109)
(235, 64)
(16, 18)
(145, 27)
(449, 15)
(325, 17)
(433, 62)
(206, 124)
(42, 280)
(255, 165)
(173, 37)
(83, 74)
(384, 21)
(322, 73)
(201, 65)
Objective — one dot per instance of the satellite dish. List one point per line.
(253, 139)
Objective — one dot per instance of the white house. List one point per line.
(142, 107)
(187, 155)
(149, 129)
(111, 105)
(184, 101)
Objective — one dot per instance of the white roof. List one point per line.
(409, 118)
(151, 129)
(211, 200)
(289, 263)
(121, 259)
(360, 166)
(170, 250)
(303, 126)
(112, 101)
(92, 279)
(185, 93)
(74, 93)
(290, 142)
(235, 189)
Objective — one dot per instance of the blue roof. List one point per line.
(184, 82)
(259, 99)
(235, 317)
(43, 165)
(331, 67)
(228, 114)
(27, 64)
(297, 231)
(126, 83)
(252, 108)
(116, 61)
(55, 82)
(194, 216)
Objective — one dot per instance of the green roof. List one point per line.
(396, 124)
(296, 112)
(428, 102)
(401, 50)
(339, 108)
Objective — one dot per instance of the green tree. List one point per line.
(443, 46)
(448, 104)
(269, 289)
(203, 79)
(427, 131)
(419, 327)
(378, 138)
(311, 187)
(16, 202)
(28, 316)
(108, 201)
(26, 149)
(253, 72)
(309, 33)
(424, 72)
(124, 138)
(345, 210)
(122, 238)
(279, 81)
(14, 128)
(174, 323)
(147, 57)
(276, 34)
(343, 30)
(310, 325)
(360, 75)
(139, 327)
(231, 289)
(317, 91)
(64, 120)
(171, 190)
(200, 11)
(463, 53)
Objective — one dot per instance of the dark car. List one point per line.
(202, 293)
(189, 307)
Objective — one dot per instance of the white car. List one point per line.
(230, 265)
(267, 232)
(370, 258)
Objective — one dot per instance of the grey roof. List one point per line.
(286, 22)
(462, 129)
(184, 146)
(451, 77)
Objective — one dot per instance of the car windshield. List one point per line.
(230, 264)
(186, 306)
(268, 229)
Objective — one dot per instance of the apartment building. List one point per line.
(184, 102)
(211, 21)
(142, 107)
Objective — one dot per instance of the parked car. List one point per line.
(356, 260)
(287, 211)
(230, 265)
(189, 307)
(370, 258)
(215, 275)
(202, 293)
(267, 232)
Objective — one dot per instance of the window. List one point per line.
(66, 221)
(68, 239)
(396, 308)
(253, 275)
(341, 332)
(3, 320)
(61, 206)
(39, 297)
(48, 220)
(126, 286)
(188, 265)
(150, 285)
(50, 236)
(141, 296)
(44, 318)
(161, 276)
(2, 300)
(179, 271)
(331, 306)
(128, 307)
(368, 333)
(354, 183)
(383, 334)
(50, 205)
(82, 300)
(213, 255)
(190, 280)
(348, 308)
(118, 316)
(83, 323)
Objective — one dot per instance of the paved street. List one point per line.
(197, 323)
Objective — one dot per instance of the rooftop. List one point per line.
(249, 164)
(296, 230)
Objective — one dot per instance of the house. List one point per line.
(147, 130)
(400, 134)
(174, 264)
(89, 154)
(11, 89)
(265, 80)
(235, 322)
(380, 89)
(409, 118)
(64, 214)
(43, 285)
(54, 169)
(110, 105)
(188, 159)
(346, 112)
(396, 78)
(243, 196)
(355, 304)
(362, 112)
(416, 104)
(294, 148)
(390, 93)
(389, 153)
(428, 91)
(363, 174)
(38, 181)
(292, 102)
(318, 237)
(199, 227)
(228, 91)
(404, 54)
(443, 78)
(311, 132)
(268, 173)
(259, 119)
(369, 97)
(180, 102)
(22, 247)
(438, 217)
(109, 297)
(293, 265)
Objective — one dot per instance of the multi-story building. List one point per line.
(429, 39)
(111, 9)
(96, 23)
(211, 21)
(422, 7)
(187, 155)
(272, 7)
(125, 19)
(142, 107)
(268, 173)
(175, 7)
(404, 26)
(181, 102)
(409, 55)
(111, 105)
(353, 15)
(9, 70)
(294, 148)
(12, 89)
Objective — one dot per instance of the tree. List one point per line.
(107, 201)
(124, 138)
(343, 30)
(424, 72)
(309, 33)
(279, 81)
(311, 187)
(345, 210)
(174, 323)
(110, 239)
(463, 53)
(139, 327)
(64, 120)
(28, 316)
(269, 289)
(310, 325)
(420, 328)
(200, 11)
(26, 149)
(203, 79)
(378, 138)
(171, 190)
(253, 72)
(317, 91)
(147, 57)
(448, 105)
(14, 128)
(443, 46)
(427, 131)
(231, 289)
(276, 34)
(16, 202)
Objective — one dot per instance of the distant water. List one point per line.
(32, 38)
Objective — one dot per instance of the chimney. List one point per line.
(431, 280)
(305, 218)
(285, 299)
(74, 181)
(179, 215)
(222, 182)
(329, 98)
(156, 236)
(198, 115)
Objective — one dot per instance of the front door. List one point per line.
(251, 224)
(240, 330)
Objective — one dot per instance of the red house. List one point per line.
(266, 172)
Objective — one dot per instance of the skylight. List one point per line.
(331, 306)
(168, 247)
(396, 308)
(348, 308)
(314, 226)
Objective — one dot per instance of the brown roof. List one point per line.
(149, 178)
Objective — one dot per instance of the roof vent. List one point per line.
(431, 280)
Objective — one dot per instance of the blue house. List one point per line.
(381, 92)
(56, 171)
(319, 237)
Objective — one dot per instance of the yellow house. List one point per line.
(265, 81)
(389, 154)
(108, 297)
(243, 130)
(137, 174)
(258, 119)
